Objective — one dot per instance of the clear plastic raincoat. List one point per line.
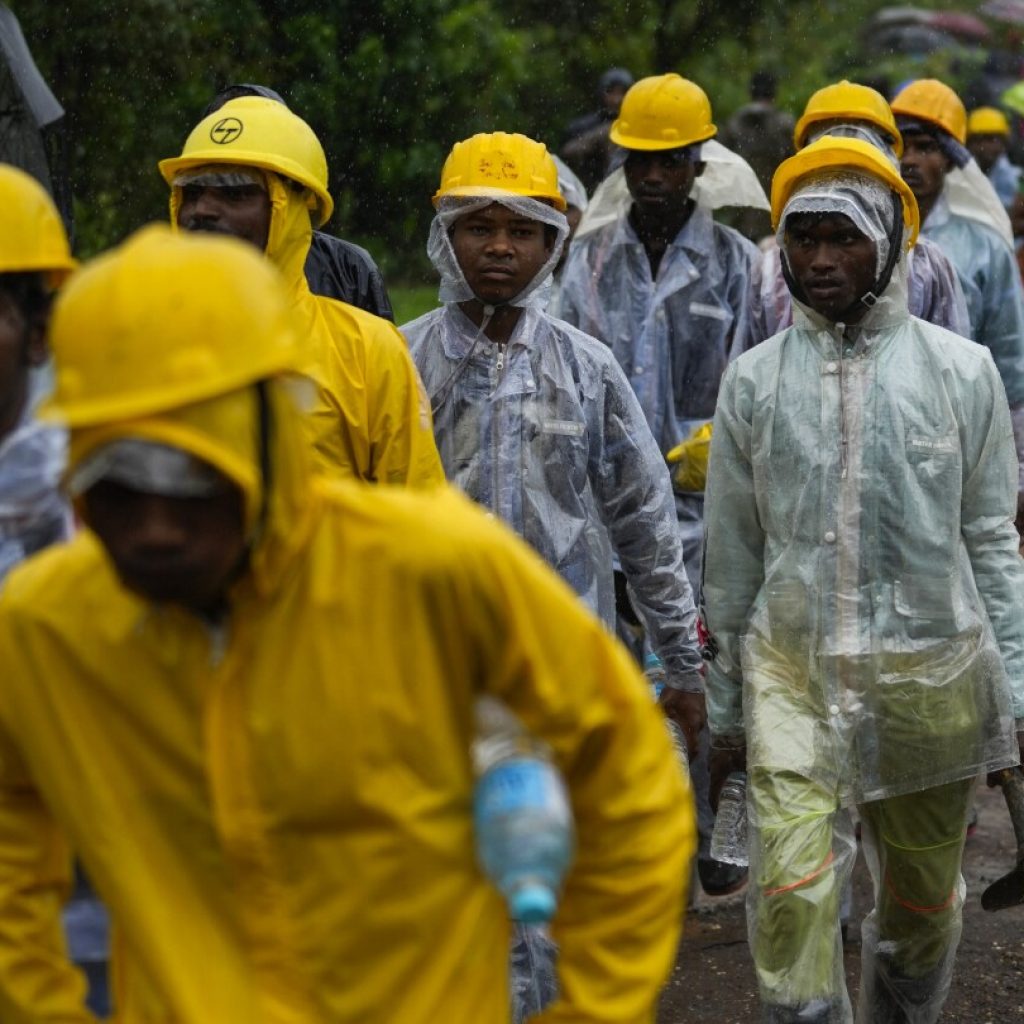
(33, 512)
(277, 811)
(935, 295)
(671, 334)
(991, 283)
(864, 592)
(369, 417)
(547, 434)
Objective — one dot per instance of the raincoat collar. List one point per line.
(458, 331)
(890, 311)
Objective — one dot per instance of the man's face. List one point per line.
(21, 347)
(831, 260)
(242, 211)
(660, 182)
(500, 251)
(185, 551)
(924, 166)
(986, 149)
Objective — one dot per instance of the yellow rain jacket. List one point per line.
(278, 811)
(370, 418)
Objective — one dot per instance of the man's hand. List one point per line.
(686, 709)
(722, 764)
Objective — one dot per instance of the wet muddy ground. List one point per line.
(713, 982)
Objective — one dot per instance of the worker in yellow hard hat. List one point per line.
(666, 288)
(863, 600)
(34, 260)
(988, 132)
(245, 695)
(965, 223)
(334, 266)
(537, 421)
(850, 110)
(256, 171)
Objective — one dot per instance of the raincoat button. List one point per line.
(833, 709)
(831, 367)
(639, 369)
(830, 537)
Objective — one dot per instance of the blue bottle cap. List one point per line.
(532, 903)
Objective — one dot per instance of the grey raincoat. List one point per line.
(672, 334)
(991, 284)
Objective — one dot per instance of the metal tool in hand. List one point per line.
(1008, 891)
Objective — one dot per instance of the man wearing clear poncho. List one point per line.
(541, 426)
(864, 597)
(536, 421)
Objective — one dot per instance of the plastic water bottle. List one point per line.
(524, 826)
(729, 837)
(655, 673)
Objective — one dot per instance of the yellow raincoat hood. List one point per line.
(370, 419)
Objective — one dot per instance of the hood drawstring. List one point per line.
(445, 389)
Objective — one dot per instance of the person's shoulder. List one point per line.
(982, 236)
(418, 532)
(585, 345)
(767, 353)
(341, 250)
(64, 579)
(414, 330)
(966, 357)
(358, 327)
(728, 239)
(597, 238)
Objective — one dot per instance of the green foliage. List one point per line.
(390, 85)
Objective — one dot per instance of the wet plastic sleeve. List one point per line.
(988, 507)
(1017, 416)
(1002, 324)
(635, 497)
(733, 556)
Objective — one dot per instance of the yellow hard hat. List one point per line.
(848, 101)
(166, 320)
(32, 235)
(933, 101)
(663, 112)
(497, 161)
(987, 121)
(828, 153)
(258, 132)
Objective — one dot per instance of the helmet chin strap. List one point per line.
(875, 292)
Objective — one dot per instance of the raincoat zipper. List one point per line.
(499, 367)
